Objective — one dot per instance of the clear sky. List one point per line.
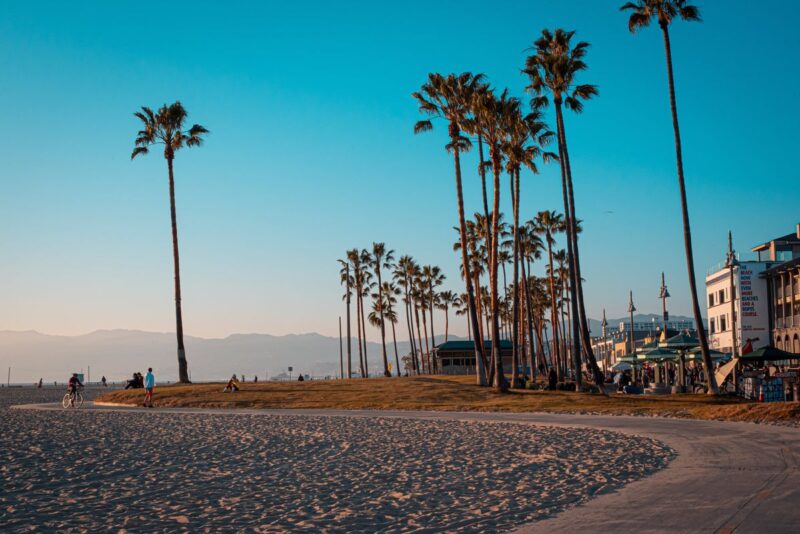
(311, 151)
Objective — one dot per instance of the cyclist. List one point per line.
(73, 384)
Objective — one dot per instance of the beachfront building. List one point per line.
(458, 357)
(782, 280)
(762, 299)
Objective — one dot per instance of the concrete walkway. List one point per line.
(728, 477)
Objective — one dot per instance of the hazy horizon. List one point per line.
(311, 152)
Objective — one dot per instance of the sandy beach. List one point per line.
(77, 470)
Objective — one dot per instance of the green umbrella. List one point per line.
(768, 354)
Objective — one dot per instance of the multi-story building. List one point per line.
(783, 287)
(762, 298)
(747, 299)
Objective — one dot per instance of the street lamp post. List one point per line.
(732, 262)
(631, 309)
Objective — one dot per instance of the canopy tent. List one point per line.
(694, 354)
(621, 366)
(768, 354)
(659, 355)
(680, 342)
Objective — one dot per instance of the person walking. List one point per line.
(149, 384)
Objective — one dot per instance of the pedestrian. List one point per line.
(149, 384)
(103, 380)
(255, 379)
(552, 379)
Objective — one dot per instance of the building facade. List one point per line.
(746, 300)
(783, 288)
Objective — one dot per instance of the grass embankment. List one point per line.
(453, 393)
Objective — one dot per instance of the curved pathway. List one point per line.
(728, 477)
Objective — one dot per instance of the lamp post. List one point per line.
(663, 295)
(603, 331)
(631, 309)
(731, 263)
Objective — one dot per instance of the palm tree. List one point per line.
(390, 294)
(491, 114)
(553, 68)
(432, 277)
(166, 127)
(531, 247)
(345, 278)
(446, 300)
(462, 308)
(524, 137)
(403, 273)
(449, 97)
(665, 11)
(548, 224)
(381, 258)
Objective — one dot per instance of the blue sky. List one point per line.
(311, 151)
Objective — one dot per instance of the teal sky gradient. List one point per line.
(311, 151)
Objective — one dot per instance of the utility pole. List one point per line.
(732, 262)
(8, 382)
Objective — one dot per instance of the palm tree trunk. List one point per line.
(687, 231)
(364, 337)
(427, 345)
(482, 170)
(553, 306)
(462, 228)
(386, 372)
(499, 378)
(529, 321)
(581, 317)
(433, 336)
(358, 328)
(396, 356)
(446, 321)
(419, 337)
(183, 366)
(349, 335)
(570, 226)
(515, 331)
(409, 322)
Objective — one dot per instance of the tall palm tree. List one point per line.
(345, 278)
(449, 98)
(548, 224)
(446, 300)
(553, 69)
(491, 114)
(403, 273)
(524, 137)
(166, 127)
(380, 258)
(666, 11)
(433, 278)
(531, 247)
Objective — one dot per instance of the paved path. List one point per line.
(728, 477)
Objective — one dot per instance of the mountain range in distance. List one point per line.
(116, 354)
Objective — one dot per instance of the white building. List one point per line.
(750, 303)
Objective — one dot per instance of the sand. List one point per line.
(146, 471)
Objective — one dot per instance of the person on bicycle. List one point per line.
(73, 384)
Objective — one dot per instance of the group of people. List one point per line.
(146, 382)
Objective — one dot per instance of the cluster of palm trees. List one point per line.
(510, 139)
(372, 277)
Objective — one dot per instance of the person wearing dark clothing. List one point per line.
(552, 379)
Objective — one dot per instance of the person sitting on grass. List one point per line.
(232, 385)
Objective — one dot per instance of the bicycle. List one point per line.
(73, 399)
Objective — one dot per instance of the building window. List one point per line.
(723, 323)
(711, 300)
(721, 296)
(711, 325)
